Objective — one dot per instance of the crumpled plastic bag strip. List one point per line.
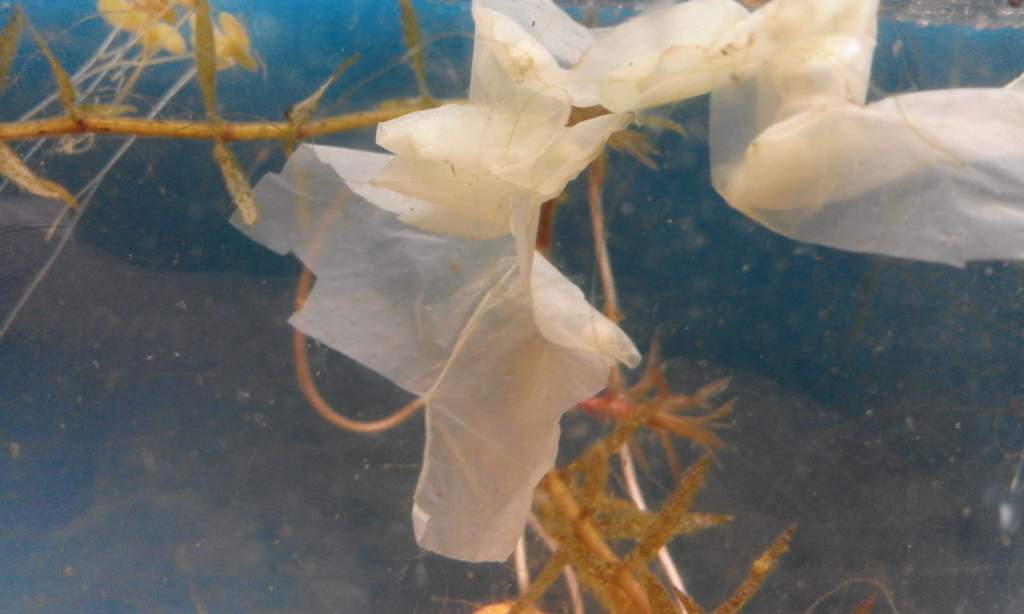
(665, 54)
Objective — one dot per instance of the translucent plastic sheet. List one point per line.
(483, 171)
(901, 177)
(795, 148)
(668, 53)
(485, 168)
(447, 319)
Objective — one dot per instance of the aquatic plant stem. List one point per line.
(595, 184)
(759, 571)
(133, 80)
(522, 566)
(202, 130)
(524, 604)
(80, 74)
(331, 415)
(75, 78)
(879, 585)
(572, 583)
(589, 536)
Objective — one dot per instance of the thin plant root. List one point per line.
(307, 385)
(867, 605)
(595, 184)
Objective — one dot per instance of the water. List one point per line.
(158, 456)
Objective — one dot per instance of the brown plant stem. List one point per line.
(572, 584)
(203, 130)
(758, 573)
(591, 538)
(595, 183)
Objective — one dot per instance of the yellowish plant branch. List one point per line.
(591, 538)
(202, 130)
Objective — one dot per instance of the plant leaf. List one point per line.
(13, 168)
(236, 182)
(65, 88)
(9, 39)
(299, 112)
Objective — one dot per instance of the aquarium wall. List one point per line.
(491, 306)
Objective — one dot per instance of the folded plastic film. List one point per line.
(663, 55)
(448, 319)
(622, 68)
(901, 177)
(496, 159)
(548, 24)
(802, 63)
(794, 147)
(827, 60)
(522, 47)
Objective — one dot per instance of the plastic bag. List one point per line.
(663, 55)
(932, 175)
(485, 168)
(448, 319)
(496, 341)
